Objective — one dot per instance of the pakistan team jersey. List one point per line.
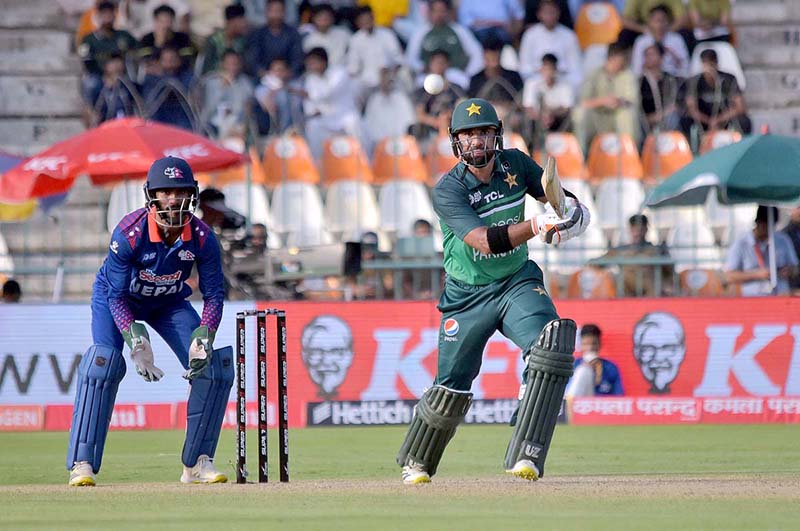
(463, 203)
(142, 270)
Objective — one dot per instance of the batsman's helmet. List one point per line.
(168, 173)
(469, 114)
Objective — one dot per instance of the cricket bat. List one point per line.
(551, 185)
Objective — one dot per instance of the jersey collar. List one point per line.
(155, 234)
(472, 181)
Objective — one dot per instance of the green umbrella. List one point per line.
(761, 169)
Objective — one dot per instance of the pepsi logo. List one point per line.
(450, 327)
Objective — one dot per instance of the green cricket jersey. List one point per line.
(463, 203)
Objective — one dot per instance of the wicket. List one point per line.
(241, 394)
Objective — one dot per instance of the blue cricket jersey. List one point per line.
(608, 382)
(141, 269)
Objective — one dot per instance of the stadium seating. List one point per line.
(6, 261)
(573, 254)
(664, 155)
(613, 155)
(125, 197)
(515, 140)
(351, 209)
(693, 246)
(597, 23)
(662, 220)
(701, 282)
(717, 139)
(439, 158)
(218, 179)
(401, 203)
(616, 201)
(343, 159)
(565, 149)
(727, 60)
(591, 283)
(398, 158)
(728, 221)
(288, 158)
(297, 214)
(594, 56)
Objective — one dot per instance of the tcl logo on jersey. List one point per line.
(450, 329)
(186, 255)
(159, 280)
(173, 173)
(493, 196)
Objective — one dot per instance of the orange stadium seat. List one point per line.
(702, 282)
(663, 156)
(398, 158)
(287, 158)
(591, 283)
(613, 155)
(597, 23)
(567, 152)
(515, 140)
(717, 139)
(218, 179)
(439, 159)
(344, 160)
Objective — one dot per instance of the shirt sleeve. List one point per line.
(734, 260)
(617, 387)
(211, 282)
(453, 210)
(118, 274)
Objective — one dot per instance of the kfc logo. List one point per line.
(659, 346)
(327, 349)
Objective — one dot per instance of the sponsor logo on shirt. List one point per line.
(186, 255)
(148, 256)
(159, 280)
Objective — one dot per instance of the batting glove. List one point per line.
(553, 229)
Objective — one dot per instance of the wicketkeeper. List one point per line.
(491, 285)
(143, 280)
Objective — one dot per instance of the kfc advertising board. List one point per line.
(364, 363)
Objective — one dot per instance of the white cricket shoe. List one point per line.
(525, 469)
(415, 474)
(82, 475)
(203, 472)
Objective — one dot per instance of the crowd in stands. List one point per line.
(632, 68)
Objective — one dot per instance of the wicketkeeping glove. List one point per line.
(554, 229)
(142, 357)
(200, 349)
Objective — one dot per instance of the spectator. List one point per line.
(280, 101)
(231, 37)
(441, 33)
(609, 100)
(548, 36)
(711, 20)
(634, 18)
(792, 230)
(98, 46)
(405, 26)
(329, 101)
(676, 55)
(423, 229)
(639, 280)
(118, 96)
(136, 15)
(500, 20)
(566, 17)
(371, 49)
(164, 36)
(714, 100)
(748, 261)
(433, 110)
(216, 214)
(418, 283)
(658, 91)
(593, 376)
(389, 111)
(165, 90)
(226, 99)
(275, 40)
(546, 99)
(324, 34)
(370, 283)
(12, 292)
(495, 83)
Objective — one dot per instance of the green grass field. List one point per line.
(668, 477)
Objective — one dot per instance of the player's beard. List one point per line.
(479, 157)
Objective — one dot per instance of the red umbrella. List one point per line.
(119, 149)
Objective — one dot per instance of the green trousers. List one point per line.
(518, 306)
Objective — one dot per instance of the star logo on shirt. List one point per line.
(474, 109)
(540, 290)
(511, 180)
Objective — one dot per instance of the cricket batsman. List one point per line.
(143, 280)
(491, 285)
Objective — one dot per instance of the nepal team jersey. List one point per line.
(142, 269)
(463, 203)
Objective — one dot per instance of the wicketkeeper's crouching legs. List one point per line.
(436, 417)
(550, 365)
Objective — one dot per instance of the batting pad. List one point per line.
(205, 409)
(99, 374)
(549, 368)
(436, 417)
